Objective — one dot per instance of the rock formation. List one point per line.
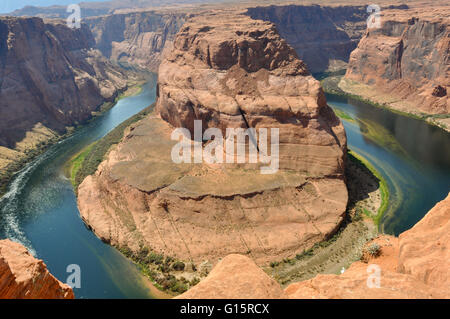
(415, 265)
(405, 63)
(225, 70)
(24, 277)
(50, 76)
(136, 38)
(323, 36)
(236, 277)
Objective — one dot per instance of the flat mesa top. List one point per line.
(145, 163)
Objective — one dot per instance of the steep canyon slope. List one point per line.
(405, 63)
(323, 36)
(51, 78)
(225, 70)
(24, 277)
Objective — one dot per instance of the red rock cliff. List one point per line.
(415, 265)
(50, 75)
(228, 71)
(24, 277)
(405, 63)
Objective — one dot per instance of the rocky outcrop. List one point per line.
(424, 249)
(242, 74)
(225, 70)
(415, 265)
(24, 277)
(137, 38)
(323, 36)
(405, 63)
(50, 76)
(236, 277)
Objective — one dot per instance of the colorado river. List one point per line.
(40, 208)
(40, 211)
(413, 157)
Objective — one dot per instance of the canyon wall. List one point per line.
(415, 265)
(405, 63)
(24, 277)
(323, 36)
(227, 71)
(50, 76)
(136, 38)
(93, 9)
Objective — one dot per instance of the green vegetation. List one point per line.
(158, 269)
(76, 162)
(330, 81)
(374, 249)
(384, 189)
(347, 243)
(88, 160)
(343, 115)
(323, 75)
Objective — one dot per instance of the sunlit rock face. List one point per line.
(406, 61)
(50, 76)
(24, 277)
(136, 39)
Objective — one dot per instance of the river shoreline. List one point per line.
(347, 244)
(133, 87)
(331, 84)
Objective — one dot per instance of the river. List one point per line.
(40, 209)
(412, 155)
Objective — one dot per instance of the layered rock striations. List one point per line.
(50, 76)
(236, 277)
(136, 38)
(405, 63)
(24, 277)
(415, 265)
(227, 71)
(323, 36)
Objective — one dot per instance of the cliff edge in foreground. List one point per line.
(415, 265)
(24, 277)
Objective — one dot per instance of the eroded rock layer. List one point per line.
(50, 76)
(323, 36)
(226, 70)
(240, 73)
(24, 277)
(415, 265)
(405, 63)
(136, 38)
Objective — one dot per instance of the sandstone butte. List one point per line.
(24, 277)
(227, 70)
(415, 265)
(405, 63)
